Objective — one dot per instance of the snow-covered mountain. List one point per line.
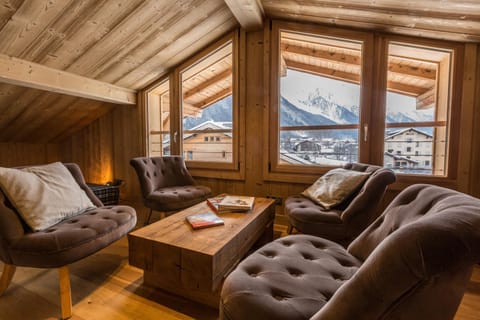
(220, 111)
(315, 109)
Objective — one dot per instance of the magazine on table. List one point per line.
(204, 220)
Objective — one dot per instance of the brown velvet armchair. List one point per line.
(62, 244)
(413, 262)
(344, 222)
(166, 184)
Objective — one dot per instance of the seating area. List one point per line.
(422, 249)
(63, 243)
(413, 262)
(423, 246)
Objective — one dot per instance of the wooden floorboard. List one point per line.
(105, 286)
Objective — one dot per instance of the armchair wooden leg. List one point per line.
(147, 220)
(65, 292)
(289, 229)
(7, 275)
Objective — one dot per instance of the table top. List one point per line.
(175, 231)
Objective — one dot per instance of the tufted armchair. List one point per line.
(62, 244)
(344, 222)
(166, 184)
(413, 262)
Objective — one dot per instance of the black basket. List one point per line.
(107, 193)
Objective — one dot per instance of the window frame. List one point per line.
(373, 92)
(296, 173)
(234, 170)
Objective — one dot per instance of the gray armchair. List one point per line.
(166, 184)
(413, 262)
(62, 244)
(346, 221)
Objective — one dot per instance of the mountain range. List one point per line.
(314, 110)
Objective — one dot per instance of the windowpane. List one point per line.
(207, 107)
(158, 107)
(418, 85)
(319, 112)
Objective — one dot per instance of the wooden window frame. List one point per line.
(236, 169)
(273, 170)
(372, 102)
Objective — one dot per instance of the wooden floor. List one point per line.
(105, 286)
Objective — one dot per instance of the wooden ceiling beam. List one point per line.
(392, 86)
(426, 100)
(323, 54)
(33, 75)
(405, 89)
(249, 13)
(324, 72)
(224, 75)
(422, 73)
(213, 98)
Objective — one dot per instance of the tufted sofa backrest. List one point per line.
(160, 172)
(363, 206)
(418, 203)
(418, 258)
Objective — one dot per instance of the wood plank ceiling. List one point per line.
(125, 43)
(128, 44)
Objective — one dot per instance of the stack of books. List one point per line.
(226, 203)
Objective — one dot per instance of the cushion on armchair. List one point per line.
(335, 186)
(44, 195)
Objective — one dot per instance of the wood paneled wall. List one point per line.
(22, 154)
(105, 147)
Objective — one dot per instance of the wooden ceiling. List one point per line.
(125, 43)
(64, 63)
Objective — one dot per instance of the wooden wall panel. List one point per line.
(474, 173)
(22, 154)
(92, 150)
(121, 128)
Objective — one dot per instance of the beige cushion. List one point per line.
(335, 186)
(44, 195)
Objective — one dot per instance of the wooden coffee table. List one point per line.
(193, 263)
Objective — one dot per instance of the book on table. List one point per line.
(204, 220)
(236, 204)
(213, 202)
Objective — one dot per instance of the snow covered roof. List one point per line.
(399, 157)
(399, 132)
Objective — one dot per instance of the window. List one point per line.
(342, 96)
(207, 105)
(158, 111)
(194, 111)
(318, 107)
(417, 109)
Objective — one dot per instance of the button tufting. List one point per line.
(307, 256)
(287, 244)
(269, 254)
(93, 213)
(295, 273)
(73, 221)
(318, 245)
